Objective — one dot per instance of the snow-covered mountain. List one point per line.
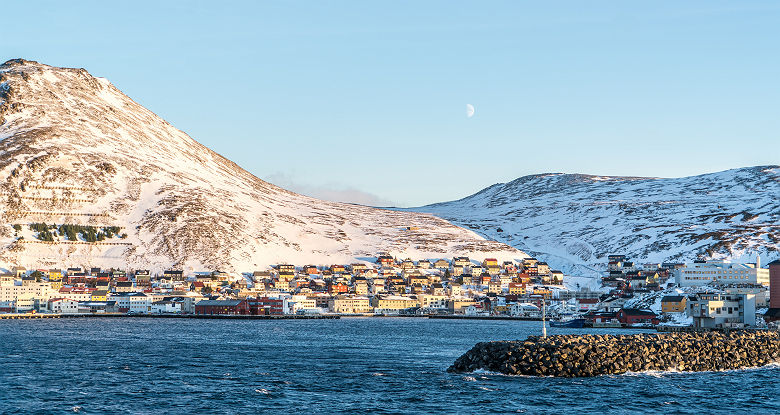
(74, 150)
(574, 221)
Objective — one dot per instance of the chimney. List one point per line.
(758, 261)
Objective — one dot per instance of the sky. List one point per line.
(365, 102)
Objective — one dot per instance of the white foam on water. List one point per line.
(663, 373)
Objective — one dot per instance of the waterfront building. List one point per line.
(63, 306)
(134, 302)
(302, 304)
(636, 316)
(392, 304)
(347, 304)
(523, 310)
(717, 310)
(222, 307)
(11, 291)
(263, 306)
(459, 305)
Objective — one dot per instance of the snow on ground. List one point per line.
(77, 150)
(573, 221)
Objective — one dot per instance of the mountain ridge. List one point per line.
(75, 150)
(576, 219)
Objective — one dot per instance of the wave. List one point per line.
(662, 373)
(650, 373)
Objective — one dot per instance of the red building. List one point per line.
(339, 288)
(222, 307)
(264, 306)
(636, 316)
(774, 284)
(773, 314)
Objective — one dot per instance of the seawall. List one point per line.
(594, 355)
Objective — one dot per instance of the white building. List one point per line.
(165, 307)
(136, 303)
(715, 310)
(25, 303)
(703, 273)
(40, 290)
(523, 310)
(347, 304)
(64, 306)
(433, 301)
(301, 304)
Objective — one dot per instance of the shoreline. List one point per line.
(27, 316)
(48, 316)
(180, 316)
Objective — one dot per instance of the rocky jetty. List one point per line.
(594, 355)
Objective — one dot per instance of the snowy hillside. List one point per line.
(76, 151)
(574, 221)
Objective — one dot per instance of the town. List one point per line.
(703, 294)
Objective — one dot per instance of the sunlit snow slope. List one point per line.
(75, 150)
(574, 221)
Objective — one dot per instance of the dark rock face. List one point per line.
(594, 355)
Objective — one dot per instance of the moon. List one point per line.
(469, 110)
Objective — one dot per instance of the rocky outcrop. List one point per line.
(594, 355)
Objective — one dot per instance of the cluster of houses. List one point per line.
(708, 294)
(705, 294)
(387, 286)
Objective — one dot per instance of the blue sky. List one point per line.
(365, 101)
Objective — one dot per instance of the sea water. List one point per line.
(350, 365)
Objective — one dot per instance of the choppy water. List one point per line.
(352, 365)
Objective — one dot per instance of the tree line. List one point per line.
(71, 232)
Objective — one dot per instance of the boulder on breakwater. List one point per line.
(594, 355)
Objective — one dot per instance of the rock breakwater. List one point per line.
(594, 355)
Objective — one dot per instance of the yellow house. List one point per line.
(516, 288)
(674, 303)
(99, 295)
(490, 262)
(55, 279)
